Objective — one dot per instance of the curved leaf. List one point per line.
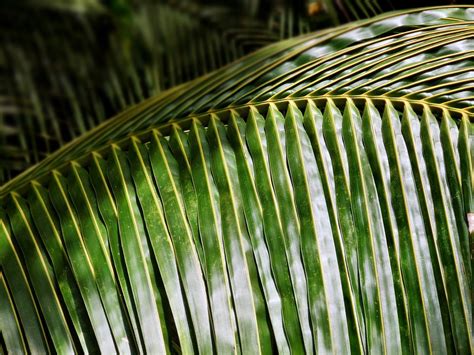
(231, 215)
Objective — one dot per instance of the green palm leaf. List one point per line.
(312, 196)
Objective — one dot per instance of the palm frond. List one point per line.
(311, 196)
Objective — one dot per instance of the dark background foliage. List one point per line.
(65, 66)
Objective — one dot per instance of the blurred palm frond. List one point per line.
(67, 66)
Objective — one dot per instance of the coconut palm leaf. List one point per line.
(312, 196)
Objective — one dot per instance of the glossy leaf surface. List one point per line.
(311, 197)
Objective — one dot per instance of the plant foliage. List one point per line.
(310, 197)
(66, 66)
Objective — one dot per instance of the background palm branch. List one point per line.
(66, 66)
